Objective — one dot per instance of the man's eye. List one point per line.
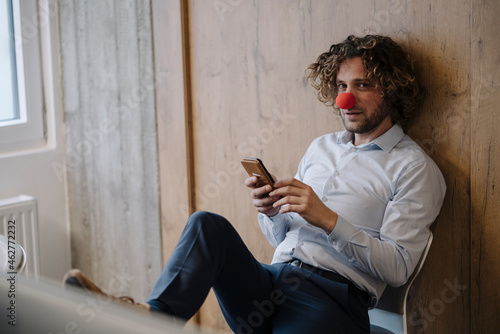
(341, 86)
(364, 85)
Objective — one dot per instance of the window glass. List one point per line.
(22, 109)
(8, 84)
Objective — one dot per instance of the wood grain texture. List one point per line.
(250, 98)
(112, 158)
(485, 167)
(248, 67)
(174, 114)
(170, 105)
(442, 130)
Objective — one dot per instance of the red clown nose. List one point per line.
(345, 101)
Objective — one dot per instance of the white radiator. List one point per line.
(19, 218)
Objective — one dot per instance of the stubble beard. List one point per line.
(367, 124)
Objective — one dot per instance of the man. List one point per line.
(355, 217)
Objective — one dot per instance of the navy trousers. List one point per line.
(254, 297)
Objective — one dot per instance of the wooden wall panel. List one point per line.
(442, 130)
(242, 72)
(170, 106)
(173, 115)
(250, 98)
(485, 171)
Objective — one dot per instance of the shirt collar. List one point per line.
(386, 141)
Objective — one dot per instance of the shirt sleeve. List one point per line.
(274, 228)
(405, 228)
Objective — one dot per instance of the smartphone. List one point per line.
(255, 167)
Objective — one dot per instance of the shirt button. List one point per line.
(301, 243)
(336, 173)
(324, 199)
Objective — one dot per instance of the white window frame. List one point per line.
(30, 130)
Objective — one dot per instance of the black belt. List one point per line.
(333, 277)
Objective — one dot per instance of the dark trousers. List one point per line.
(254, 297)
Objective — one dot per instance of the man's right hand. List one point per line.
(261, 199)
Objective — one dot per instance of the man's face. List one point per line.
(369, 118)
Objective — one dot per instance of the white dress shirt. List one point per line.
(386, 193)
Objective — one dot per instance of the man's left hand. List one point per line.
(300, 198)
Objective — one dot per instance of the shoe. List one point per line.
(76, 278)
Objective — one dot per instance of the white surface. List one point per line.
(11, 251)
(37, 171)
(44, 307)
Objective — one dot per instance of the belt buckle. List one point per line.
(297, 263)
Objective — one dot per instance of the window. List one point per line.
(8, 80)
(21, 97)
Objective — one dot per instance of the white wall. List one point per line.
(34, 171)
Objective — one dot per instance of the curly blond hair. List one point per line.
(386, 64)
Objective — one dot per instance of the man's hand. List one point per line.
(261, 199)
(298, 197)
